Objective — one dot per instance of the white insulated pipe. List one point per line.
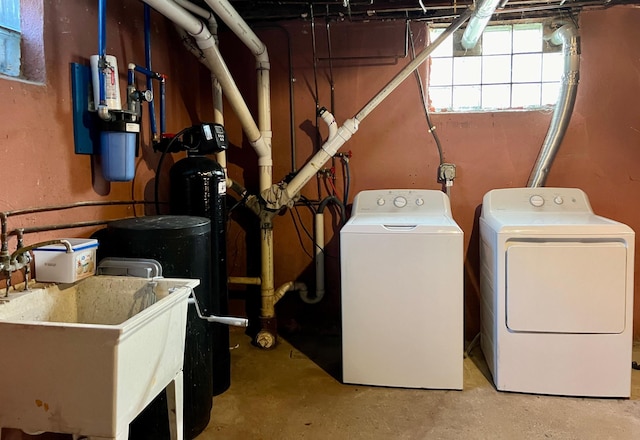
(239, 27)
(200, 12)
(216, 88)
(234, 21)
(478, 22)
(216, 64)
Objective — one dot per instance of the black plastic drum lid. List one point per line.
(172, 226)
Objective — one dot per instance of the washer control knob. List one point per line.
(558, 200)
(400, 202)
(536, 200)
(419, 202)
(380, 201)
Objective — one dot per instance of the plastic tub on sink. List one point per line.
(87, 358)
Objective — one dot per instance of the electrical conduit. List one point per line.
(568, 37)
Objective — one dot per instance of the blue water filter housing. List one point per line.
(118, 151)
(118, 145)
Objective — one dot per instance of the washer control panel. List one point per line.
(537, 200)
(399, 200)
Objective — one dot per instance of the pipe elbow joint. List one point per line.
(103, 112)
(263, 64)
(204, 39)
(306, 298)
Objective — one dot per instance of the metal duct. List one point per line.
(478, 22)
(567, 35)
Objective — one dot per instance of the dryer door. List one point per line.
(566, 287)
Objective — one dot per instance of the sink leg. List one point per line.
(175, 406)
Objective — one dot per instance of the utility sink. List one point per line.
(87, 358)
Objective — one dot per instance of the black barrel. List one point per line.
(182, 245)
(198, 188)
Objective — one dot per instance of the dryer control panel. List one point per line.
(537, 200)
(409, 201)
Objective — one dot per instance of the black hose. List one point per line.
(347, 180)
(337, 202)
(156, 186)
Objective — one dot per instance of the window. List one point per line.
(511, 67)
(10, 37)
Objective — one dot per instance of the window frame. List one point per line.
(474, 90)
(10, 39)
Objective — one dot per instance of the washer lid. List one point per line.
(569, 287)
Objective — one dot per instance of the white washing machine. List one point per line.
(557, 294)
(402, 291)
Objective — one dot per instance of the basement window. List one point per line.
(511, 67)
(10, 37)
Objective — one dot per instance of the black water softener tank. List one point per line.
(198, 187)
(182, 245)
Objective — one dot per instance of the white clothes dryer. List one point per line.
(402, 291)
(557, 294)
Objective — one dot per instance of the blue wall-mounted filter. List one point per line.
(118, 142)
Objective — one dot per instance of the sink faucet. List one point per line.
(21, 257)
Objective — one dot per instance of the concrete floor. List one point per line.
(292, 392)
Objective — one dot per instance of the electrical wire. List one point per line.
(432, 128)
(295, 225)
(306, 231)
(156, 186)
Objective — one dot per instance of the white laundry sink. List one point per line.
(86, 358)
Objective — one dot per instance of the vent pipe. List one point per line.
(567, 36)
(478, 22)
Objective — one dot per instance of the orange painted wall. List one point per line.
(393, 149)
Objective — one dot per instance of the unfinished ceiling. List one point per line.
(431, 10)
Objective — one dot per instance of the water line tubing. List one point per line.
(151, 75)
(4, 217)
(102, 48)
(147, 61)
(347, 180)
